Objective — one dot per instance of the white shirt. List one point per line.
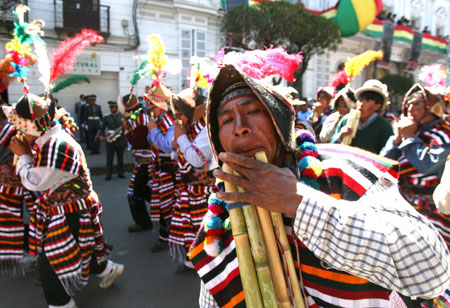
(43, 178)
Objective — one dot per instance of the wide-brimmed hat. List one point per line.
(433, 100)
(112, 104)
(31, 114)
(329, 90)
(278, 107)
(127, 104)
(374, 86)
(297, 102)
(190, 103)
(348, 94)
(159, 95)
(291, 94)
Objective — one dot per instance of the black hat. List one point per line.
(112, 104)
(278, 107)
(91, 96)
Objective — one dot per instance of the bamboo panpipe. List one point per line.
(244, 254)
(280, 232)
(276, 267)
(259, 254)
(353, 121)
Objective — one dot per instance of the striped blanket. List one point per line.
(348, 173)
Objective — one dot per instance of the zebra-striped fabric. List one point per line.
(7, 131)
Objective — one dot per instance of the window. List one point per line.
(322, 70)
(193, 43)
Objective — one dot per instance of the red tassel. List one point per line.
(63, 58)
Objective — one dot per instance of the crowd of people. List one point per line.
(364, 196)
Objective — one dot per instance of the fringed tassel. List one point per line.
(177, 253)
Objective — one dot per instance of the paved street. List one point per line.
(148, 280)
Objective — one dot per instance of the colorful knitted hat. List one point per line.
(31, 114)
(278, 107)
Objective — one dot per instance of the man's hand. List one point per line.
(179, 130)
(151, 124)
(265, 185)
(125, 125)
(345, 131)
(318, 108)
(19, 147)
(175, 144)
(407, 127)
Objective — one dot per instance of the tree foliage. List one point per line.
(7, 6)
(280, 23)
(398, 85)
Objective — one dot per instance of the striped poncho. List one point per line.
(191, 200)
(418, 188)
(348, 173)
(12, 197)
(163, 181)
(49, 231)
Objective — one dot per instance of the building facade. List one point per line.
(421, 13)
(187, 28)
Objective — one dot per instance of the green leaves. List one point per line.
(280, 24)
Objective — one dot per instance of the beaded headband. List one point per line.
(236, 90)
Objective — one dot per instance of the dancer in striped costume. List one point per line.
(160, 136)
(421, 144)
(67, 231)
(354, 237)
(13, 231)
(194, 183)
(135, 128)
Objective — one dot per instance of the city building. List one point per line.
(187, 28)
(429, 15)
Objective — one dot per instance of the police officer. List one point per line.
(93, 117)
(115, 140)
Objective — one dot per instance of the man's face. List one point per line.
(246, 128)
(82, 98)
(91, 101)
(417, 109)
(324, 98)
(303, 108)
(180, 116)
(113, 109)
(29, 139)
(367, 107)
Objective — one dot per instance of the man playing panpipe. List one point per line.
(354, 248)
(373, 129)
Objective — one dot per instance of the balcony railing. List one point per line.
(8, 17)
(72, 16)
